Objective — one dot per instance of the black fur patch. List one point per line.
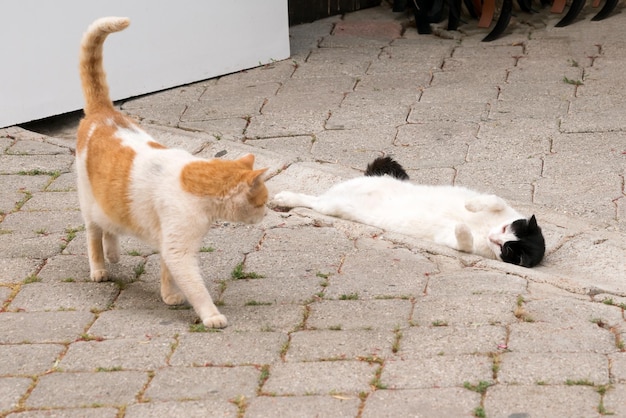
(386, 166)
(531, 247)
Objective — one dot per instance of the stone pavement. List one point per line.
(328, 317)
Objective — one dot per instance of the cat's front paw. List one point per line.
(215, 321)
(284, 200)
(464, 238)
(174, 299)
(99, 275)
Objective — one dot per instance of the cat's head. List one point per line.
(519, 242)
(234, 185)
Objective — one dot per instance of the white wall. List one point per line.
(168, 43)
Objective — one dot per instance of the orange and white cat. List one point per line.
(130, 184)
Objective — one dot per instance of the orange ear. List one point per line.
(257, 176)
(247, 160)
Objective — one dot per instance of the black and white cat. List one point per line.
(457, 217)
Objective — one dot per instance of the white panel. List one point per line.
(167, 44)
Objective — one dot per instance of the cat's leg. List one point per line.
(169, 291)
(182, 264)
(95, 252)
(464, 238)
(111, 245)
(291, 200)
(490, 203)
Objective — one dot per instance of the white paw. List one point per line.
(284, 199)
(99, 275)
(464, 238)
(215, 321)
(174, 299)
(473, 206)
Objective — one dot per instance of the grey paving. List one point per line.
(345, 319)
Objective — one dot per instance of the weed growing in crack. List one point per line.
(481, 387)
(349, 296)
(239, 274)
(572, 82)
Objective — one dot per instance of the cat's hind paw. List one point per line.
(215, 321)
(464, 238)
(174, 299)
(99, 275)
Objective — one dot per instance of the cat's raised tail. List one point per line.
(92, 75)
(386, 166)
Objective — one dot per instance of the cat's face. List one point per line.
(520, 242)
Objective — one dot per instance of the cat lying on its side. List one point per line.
(129, 183)
(453, 216)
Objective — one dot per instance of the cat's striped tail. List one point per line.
(386, 166)
(92, 75)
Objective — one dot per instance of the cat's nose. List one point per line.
(495, 240)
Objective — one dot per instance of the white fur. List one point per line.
(453, 216)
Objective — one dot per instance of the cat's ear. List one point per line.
(532, 223)
(247, 160)
(257, 177)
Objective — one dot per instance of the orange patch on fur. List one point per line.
(156, 145)
(108, 164)
(219, 178)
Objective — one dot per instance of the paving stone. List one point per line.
(553, 368)
(319, 378)
(615, 399)
(434, 145)
(29, 359)
(482, 282)
(378, 314)
(15, 270)
(567, 311)
(190, 409)
(13, 389)
(517, 400)
(462, 310)
(86, 389)
(43, 222)
(35, 297)
(353, 147)
(28, 147)
(16, 164)
(31, 245)
(376, 270)
(5, 293)
(290, 406)
(66, 182)
(126, 323)
(287, 245)
(139, 353)
(421, 403)
(42, 327)
(283, 318)
(438, 371)
(99, 412)
(52, 201)
(538, 337)
(319, 345)
(221, 349)
(68, 268)
(430, 109)
(196, 383)
(417, 342)
(618, 366)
